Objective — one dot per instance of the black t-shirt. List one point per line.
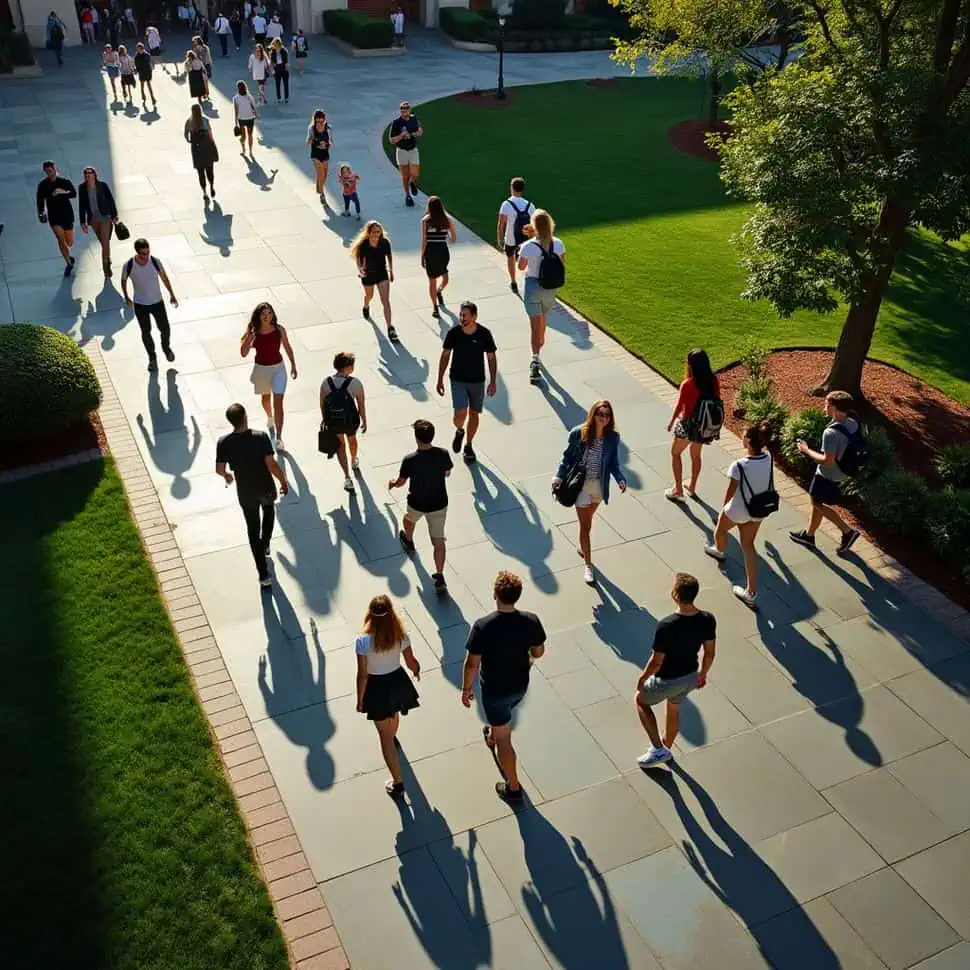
(60, 212)
(411, 124)
(374, 258)
(679, 638)
(468, 353)
(503, 640)
(425, 471)
(245, 452)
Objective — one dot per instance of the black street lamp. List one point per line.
(500, 92)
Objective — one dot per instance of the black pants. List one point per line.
(259, 527)
(236, 34)
(206, 172)
(143, 314)
(282, 78)
(224, 43)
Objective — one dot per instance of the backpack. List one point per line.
(300, 43)
(522, 219)
(856, 455)
(57, 35)
(340, 409)
(131, 262)
(762, 504)
(552, 272)
(708, 419)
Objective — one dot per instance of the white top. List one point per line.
(757, 474)
(508, 209)
(397, 19)
(146, 283)
(153, 37)
(245, 105)
(531, 251)
(354, 386)
(380, 663)
(259, 24)
(127, 64)
(258, 68)
(274, 29)
(222, 25)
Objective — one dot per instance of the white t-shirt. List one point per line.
(354, 386)
(259, 25)
(531, 251)
(757, 474)
(153, 37)
(274, 29)
(397, 19)
(222, 25)
(258, 67)
(246, 106)
(385, 662)
(510, 209)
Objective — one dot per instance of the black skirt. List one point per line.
(436, 259)
(196, 84)
(388, 694)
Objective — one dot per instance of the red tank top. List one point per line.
(268, 347)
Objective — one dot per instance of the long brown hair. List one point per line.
(196, 121)
(437, 217)
(588, 432)
(543, 226)
(256, 317)
(364, 236)
(383, 625)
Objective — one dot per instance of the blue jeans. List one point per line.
(351, 198)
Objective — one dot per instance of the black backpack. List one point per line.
(760, 506)
(57, 35)
(552, 271)
(708, 419)
(340, 409)
(856, 455)
(131, 262)
(522, 219)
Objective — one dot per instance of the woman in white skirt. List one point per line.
(265, 335)
(748, 476)
(259, 69)
(384, 690)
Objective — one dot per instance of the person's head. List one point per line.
(599, 421)
(437, 217)
(195, 117)
(263, 313)
(319, 117)
(299, 33)
(372, 233)
(383, 625)
(685, 589)
(423, 431)
(518, 185)
(236, 416)
(839, 405)
(190, 56)
(259, 52)
(405, 110)
(52, 14)
(142, 250)
(108, 49)
(757, 436)
(122, 51)
(468, 313)
(90, 175)
(699, 368)
(507, 588)
(241, 88)
(344, 361)
(276, 44)
(345, 168)
(276, 18)
(139, 48)
(197, 41)
(50, 170)
(543, 227)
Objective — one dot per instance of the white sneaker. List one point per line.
(654, 757)
(271, 426)
(279, 445)
(588, 576)
(715, 553)
(746, 597)
(268, 581)
(348, 486)
(355, 464)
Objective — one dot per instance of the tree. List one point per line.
(846, 150)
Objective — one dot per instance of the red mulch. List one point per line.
(484, 99)
(690, 137)
(919, 419)
(82, 437)
(604, 82)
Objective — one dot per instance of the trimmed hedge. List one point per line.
(359, 30)
(464, 25)
(47, 384)
(574, 32)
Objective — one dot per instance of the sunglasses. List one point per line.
(604, 414)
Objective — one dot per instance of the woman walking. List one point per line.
(195, 71)
(198, 133)
(371, 250)
(112, 68)
(300, 49)
(153, 40)
(202, 51)
(699, 384)
(596, 445)
(384, 690)
(258, 69)
(143, 65)
(539, 256)
(97, 209)
(265, 335)
(126, 64)
(320, 141)
(245, 114)
(235, 25)
(280, 59)
(750, 478)
(437, 228)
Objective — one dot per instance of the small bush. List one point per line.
(899, 500)
(544, 15)
(462, 24)
(948, 524)
(754, 358)
(882, 458)
(359, 30)
(953, 466)
(808, 425)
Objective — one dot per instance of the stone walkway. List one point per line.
(818, 813)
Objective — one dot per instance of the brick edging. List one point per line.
(311, 938)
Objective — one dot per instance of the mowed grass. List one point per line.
(648, 229)
(121, 844)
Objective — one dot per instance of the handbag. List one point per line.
(760, 506)
(236, 131)
(327, 442)
(572, 484)
(122, 231)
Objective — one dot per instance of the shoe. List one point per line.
(205, 198)
(457, 440)
(405, 541)
(349, 486)
(394, 788)
(355, 464)
(654, 757)
(345, 214)
(271, 426)
(408, 201)
(279, 100)
(803, 538)
(715, 553)
(534, 371)
(508, 794)
(674, 496)
(266, 581)
(848, 540)
(366, 313)
(469, 455)
(746, 597)
(280, 447)
(212, 192)
(441, 295)
(514, 287)
(152, 365)
(589, 577)
(414, 188)
(69, 268)
(169, 354)
(392, 335)
(435, 313)
(440, 586)
(286, 100)
(107, 272)
(358, 217)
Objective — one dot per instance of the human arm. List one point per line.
(247, 342)
(568, 457)
(452, 232)
(706, 662)
(653, 665)
(70, 191)
(402, 476)
(289, 352)
(83, 211)
(361, 400)
(222, 471)
(168, 286)
(407, 654)
(274, 469)
(615, 470)
(473, 662)
(424, 238)
(41, 202)
(500, 226)
(112, 205)
(390, 261)
(678, 407)
(442, 367)
(827, 456)
(492, 373)
(124, 285)
(361, 681)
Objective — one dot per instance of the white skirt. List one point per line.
(269, 378)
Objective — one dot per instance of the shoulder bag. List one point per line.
(760, 506)
(572, 484)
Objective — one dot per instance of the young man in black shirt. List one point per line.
(426, 471)
(501, 650)
(672, 671)
(250, 456)
(54, 207)
(405, 130)
(471, 344)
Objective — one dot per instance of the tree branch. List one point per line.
(945, 34)
(824, 24)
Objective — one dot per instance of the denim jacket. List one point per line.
(611, 459)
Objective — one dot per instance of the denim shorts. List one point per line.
(465, 395)
(498, 707)
(537, 300)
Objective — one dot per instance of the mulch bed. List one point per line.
(485, 99)
(82, 437)
(690, 137)
(919, 419)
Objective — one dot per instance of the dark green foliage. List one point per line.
(948, 524)
(543, 15)
(358, 30)
(808, 425)
(899, 500)
(463, 24)
(953, 466)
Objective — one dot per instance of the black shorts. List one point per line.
(155, 52)
(299, 55)
(319, 154)
(260, 39)
(127, 80)
(247, 122)
(512, 251)
(823, 491)
(498, 708)
(374, 280)
(66, 226)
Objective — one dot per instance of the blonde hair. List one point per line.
(383, 625)
(543, 226)
(276, 44)
(362, 237)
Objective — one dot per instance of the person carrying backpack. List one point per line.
(843, 455)
(148, 276)
(543, 257)
(511, 232)
(343, 408)
(56, 35)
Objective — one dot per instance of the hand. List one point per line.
(802, 446)
(422, 262)
(556, 482)
(42, 219)
(114, 221)
(490, 390)
(293, 372)
(670, 424)
(229, 479)
(84, 229)
(360, 707)
(701, 680)
(392, 484)
(173, 300)
(440, 389)
(59, 192)
(417, 671)
(390, 276)
(363, 427)
(284, 487)
(466, 696)
(128, 302)
(622, 486)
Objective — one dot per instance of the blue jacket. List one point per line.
(611, 459)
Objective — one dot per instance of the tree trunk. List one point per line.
(714, 106)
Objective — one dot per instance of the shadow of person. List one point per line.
(295, 688)
(217, 229)
(498, 405)
(209, 109)
(131, 110)
(168, 445)
(378, 529)
(397, 365)
(623, 625)
(257, 174)
(562, 320)
(150, 117)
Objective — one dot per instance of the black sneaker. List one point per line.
(534, 371)
(392, 335)
(848, 540)
(508, 794)
(514, 287)
(435, 313)
(365, 313)
(803, 538)
(69, 268)
(169, 354)
(408, 201)
(152, 365)
(440, 586)
(441, 298)
(457, 440)
(469, 455)
(405, 541)
(414, 188)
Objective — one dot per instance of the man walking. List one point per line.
(54, 207)
(513, 222)
(501, 649)
(674, 669)
(426, 471)
(405, 131)
(471, 344)
(250, 456)
(147, 276)
(259, 29)
(222, 29)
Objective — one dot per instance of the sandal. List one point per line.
(394, 788)
(489, 740)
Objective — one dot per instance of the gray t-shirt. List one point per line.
(96, 214)
(834, 440)
(146, 283)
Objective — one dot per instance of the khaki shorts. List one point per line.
(269, 378)
(436, 520)
(405, 157)
(655, 690)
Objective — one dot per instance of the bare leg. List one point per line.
(267, 402)
(62, 245)
(413, 173)
(695, 465)
(536, 329)
(649, 721)
(585, 518)
(439, 554)
(829, 513)
(460, 417)
(407, 527)
(342, 455)
(677, 448)
(278, 414)
(368, 295)
(386, 731)
(506, 754)
(384, 291)
(748, 532)
(724, 526)
(673, 724)
(442, 282)
(352, 445)
(433, 291)
(510, 266)
(472, 428)
(405, 177)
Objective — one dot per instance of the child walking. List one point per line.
(348, 185)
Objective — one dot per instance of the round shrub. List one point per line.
(47, 384)
(899, 500)
(882, 457)
(808, 425)
(953, 466)
(948, 523)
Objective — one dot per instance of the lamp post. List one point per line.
(500, 91)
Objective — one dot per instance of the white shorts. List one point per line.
(405, 157)
(591, 494)
(736, 510)
(269, 378)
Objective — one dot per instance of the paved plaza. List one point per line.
(818, 812)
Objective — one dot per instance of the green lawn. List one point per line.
(122, 846)
(648, 228)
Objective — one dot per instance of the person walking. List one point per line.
(280, 59)
(840, 441)
(205, 153)
(201, 48)
(126, 64)
(349, 180)
(691, 422)
(250, 456)
(259, 29)
(112, 68)
(371, 251)
(223, 29)
(274, 29)
(471, 345)
(147, 277)
(301, 48)
(245, 114)
(195, 71)
(594, 445)
(500, 652)
(236, 26)
(405, 130)
(514, 225)
(259, 68)
(143, 65)
(343, 409)
(54, 207)
(426, 471)
(97, 209)
(268, 339)
(543, 257)
(751, 483)
(87, 25)
(384, 690)
(320, 141)
(674, 668)
(397, 22)
(437, 227)
(55, 31)
(153, 40)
